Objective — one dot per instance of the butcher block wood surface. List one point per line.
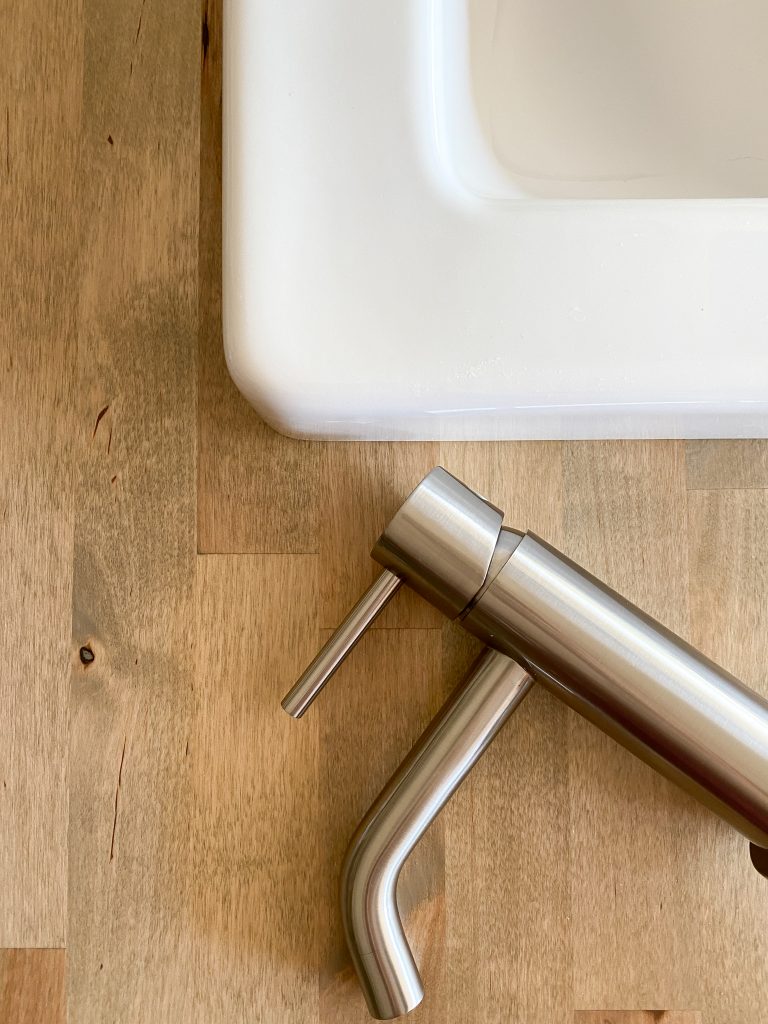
(170, 840)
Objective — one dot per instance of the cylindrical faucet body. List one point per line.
(651, 691)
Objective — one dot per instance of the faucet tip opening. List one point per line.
(759, 858)
(387, 1001)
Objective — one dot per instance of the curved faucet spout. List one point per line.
(397, 820)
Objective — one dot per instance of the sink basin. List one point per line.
(605, 99)
(498, 218)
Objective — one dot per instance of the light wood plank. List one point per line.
(40, 81)
(729, 597)
(135, 531)
(256, 489)
(724, 464)
(637, 870)
(637, 1017)
(370, 716)
(507, 880)
(361, 486)
(256, 835)
(32, 984)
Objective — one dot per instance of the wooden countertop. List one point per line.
(169, 840)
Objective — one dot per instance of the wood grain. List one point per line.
(39, 127)
(724, 464)
(637, 1017)
(32, 986)
(135, 551)
(256, 838)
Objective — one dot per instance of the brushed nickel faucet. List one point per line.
(542, 618)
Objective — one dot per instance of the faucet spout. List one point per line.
(398, 818)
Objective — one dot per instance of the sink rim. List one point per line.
(364, 295)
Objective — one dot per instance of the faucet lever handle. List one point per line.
(333, 653)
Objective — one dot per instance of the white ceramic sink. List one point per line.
(498, 218)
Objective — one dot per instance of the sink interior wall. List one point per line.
(611, 98)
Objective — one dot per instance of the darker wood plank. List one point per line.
(135, 550)
(40, 82)
(32, 986)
